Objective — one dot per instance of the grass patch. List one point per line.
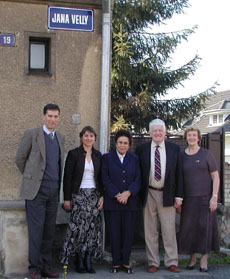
(214, 258)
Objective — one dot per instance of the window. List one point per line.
(216, 119)
(221, 118)
(39, 56)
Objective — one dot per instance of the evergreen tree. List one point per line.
(140, 76)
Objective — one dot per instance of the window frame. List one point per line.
(214, 120)
(221, 118)
(46, 41)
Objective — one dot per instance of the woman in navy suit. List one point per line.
(122, 182)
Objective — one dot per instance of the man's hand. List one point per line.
(67, 205)
(178, 203)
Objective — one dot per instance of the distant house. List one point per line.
(214, 117)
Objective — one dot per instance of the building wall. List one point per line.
(227, 184)
(227, 147)
(13, 240)
(224, 211)
(74, 84)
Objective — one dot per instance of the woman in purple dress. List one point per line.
(198, 228)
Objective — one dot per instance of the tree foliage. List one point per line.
(120, 124)
(140, 77)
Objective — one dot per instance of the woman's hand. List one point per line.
(216, 185)
(100, 203)
(213, 203)
(67, 205)
(123, 197)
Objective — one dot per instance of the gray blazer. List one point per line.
(31, 160)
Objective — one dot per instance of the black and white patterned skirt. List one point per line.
(84, 232)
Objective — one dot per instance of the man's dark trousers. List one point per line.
(41, 215)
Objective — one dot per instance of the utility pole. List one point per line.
(105, 76)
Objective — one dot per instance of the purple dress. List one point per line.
(198, 227)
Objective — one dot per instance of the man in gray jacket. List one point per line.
(40, 158)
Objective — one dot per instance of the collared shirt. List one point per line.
(152, 181)
(121, 157)
(48, 131)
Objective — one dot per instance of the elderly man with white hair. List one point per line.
(161, 194)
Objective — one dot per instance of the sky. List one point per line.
(211, 41)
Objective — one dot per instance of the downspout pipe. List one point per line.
(105, 77)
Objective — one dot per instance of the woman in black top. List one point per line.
(83, 196)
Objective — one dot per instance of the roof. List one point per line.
(218, 101)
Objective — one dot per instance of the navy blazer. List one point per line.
(173, 186)
(118, 177)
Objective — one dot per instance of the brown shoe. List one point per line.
(174, 268)
(36, 274)
(48, 273)
(152, 268)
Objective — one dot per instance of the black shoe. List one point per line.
(190, 267)
(128, 270)
(88, 264)
(203, 269)
(114, 269)
(80, 268)
(36, 274)
(46, 273)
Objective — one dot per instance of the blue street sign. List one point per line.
(70, 19)
(7, 39)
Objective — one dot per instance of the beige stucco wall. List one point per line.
(14, 242)
(74, 84)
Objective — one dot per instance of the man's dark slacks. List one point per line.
(41, 215)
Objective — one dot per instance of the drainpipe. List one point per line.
(105, 76)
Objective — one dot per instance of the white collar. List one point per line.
(162, 144)
(47, 131)
(121, 157)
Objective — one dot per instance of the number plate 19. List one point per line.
(7, 39)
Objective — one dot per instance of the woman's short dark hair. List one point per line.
(88, 129)
(190, 130)
(123, 133)
(50, 107)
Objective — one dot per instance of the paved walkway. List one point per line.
(222, 272)
(138, 261)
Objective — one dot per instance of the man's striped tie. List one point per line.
(157, 174)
